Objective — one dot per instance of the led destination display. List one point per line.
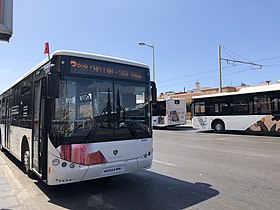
(103, 68)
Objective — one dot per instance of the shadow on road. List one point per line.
(143, 190)
(239, 132)
(186, 128)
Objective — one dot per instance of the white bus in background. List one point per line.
(79, 116)
(252, 109)
(169, 112)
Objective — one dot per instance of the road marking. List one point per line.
(259, 155)
(165, 163)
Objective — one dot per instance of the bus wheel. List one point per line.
(219, 126)
(1, 145)
(26, 164)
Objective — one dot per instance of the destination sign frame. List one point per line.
(95, 67)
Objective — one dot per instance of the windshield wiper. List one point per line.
(119, 110)
(92, 132)
(106, 113)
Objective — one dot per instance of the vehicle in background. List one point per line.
(169, 112)
(251, 109)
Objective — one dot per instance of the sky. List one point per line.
(185, 35)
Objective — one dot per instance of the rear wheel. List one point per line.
(219, 126)
(1, 145)
(26, 163)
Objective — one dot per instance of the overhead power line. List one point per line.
(213, 77)
(225, 50)
(215, 69)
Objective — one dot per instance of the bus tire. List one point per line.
(26, 159)
(1, 145)
(26, 164)
(219, 126)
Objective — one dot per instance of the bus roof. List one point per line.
(81, 55)
(99, 57)
(246, 90)
(170, 98)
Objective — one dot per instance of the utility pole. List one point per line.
(219, 68)
(254, 66)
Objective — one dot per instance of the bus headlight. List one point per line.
(72, 165)
(55, 162)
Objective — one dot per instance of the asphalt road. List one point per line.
(190, 171)
(243, 169)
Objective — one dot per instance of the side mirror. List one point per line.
(154, 91)
(53, 84)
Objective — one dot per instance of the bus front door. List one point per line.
(8, 123)
(37, 127)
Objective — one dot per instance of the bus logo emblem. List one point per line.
(115, 152)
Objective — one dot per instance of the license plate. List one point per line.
(112, 170)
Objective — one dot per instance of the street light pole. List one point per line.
(153, 47)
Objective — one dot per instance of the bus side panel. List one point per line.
(263, 123)
(17, 134)
(238, 122)
(268, 123)
(201, 123)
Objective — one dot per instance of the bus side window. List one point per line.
(262, 104)
(275, 105)
(199, 108)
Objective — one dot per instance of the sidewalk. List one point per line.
(17, 191)
(8, 197)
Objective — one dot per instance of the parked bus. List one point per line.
(252, 109)
(169, 112)
(79, 116)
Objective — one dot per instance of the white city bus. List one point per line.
(79, 116)
(252, 109)
(169, 112)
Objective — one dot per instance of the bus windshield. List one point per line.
(94, 110)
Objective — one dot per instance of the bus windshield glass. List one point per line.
(94, 110)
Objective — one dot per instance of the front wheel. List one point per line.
(219, 126)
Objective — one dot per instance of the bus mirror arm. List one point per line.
(52, 84)
(153, 91)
